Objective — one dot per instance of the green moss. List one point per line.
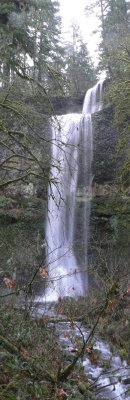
(113, 215)
(123, 354)
(6, 202)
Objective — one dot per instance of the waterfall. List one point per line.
(65, 276)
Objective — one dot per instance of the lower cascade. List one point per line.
(69, 133)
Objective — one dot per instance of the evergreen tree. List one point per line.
(30, 41)
(115, 60)
(48, 53)
(115, 27)
(29, 68)
(15, 38)
(79, 67)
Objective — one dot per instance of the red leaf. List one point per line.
(128, 290)
(61, 394)
(43, 272)
(61, 310)
(89, 349)
(111, 304)
(117, 284)
(24, 353)
(46, 319)
(126, 322)
(10, 283)
(93, 358)
(72, 324)
(65, 334)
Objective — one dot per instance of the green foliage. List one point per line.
(23, 372)
(114, 27)
(30, 41)
(114, 225)
(48, 53)
(15, 38)
(31, 360)
(115, 60)
(119, 94)
(6, 201)
(123, 354)
(78, 65)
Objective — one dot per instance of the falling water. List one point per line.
(65, 276)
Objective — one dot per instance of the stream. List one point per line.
(107, 373)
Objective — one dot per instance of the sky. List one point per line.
(73, 10)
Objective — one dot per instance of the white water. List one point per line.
(93, 99)
(109, 376)
(65, 276)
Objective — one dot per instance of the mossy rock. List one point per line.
(7, 202)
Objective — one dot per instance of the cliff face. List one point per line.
(110, 208)
(108, 242)
(105, 137)
(110, 212)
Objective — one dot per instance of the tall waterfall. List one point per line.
(69, 132)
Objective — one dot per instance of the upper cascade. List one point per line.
(93, 99)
